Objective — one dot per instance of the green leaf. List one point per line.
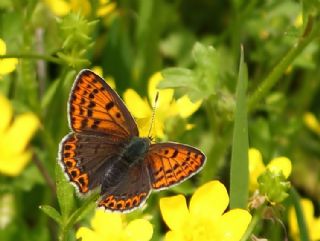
(198, 83)
(64, 193)
(52, 213)
(239, 160)
(303, 230)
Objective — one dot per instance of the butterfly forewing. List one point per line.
(95, 108)
(171, 163)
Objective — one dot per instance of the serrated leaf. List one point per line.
(51, 212)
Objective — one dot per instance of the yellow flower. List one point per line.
(205, 219)
(63, 7)
(106, 7)
(166, 107)
(298, 22)
(6, 65)
(14, 138)
(313, 224)
(312, 122)
(256, 167)
(111, 226)
(99, 71)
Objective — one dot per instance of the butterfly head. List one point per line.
(137, 148)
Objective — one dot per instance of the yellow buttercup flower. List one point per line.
(166, 107)
(313, 224)
(205, 219)
(111, 226)
(63, 7)
(312, 122)
(257, 167)
(14, 138)
(6, 65)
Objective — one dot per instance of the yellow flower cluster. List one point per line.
(313, 224)
(166, 107)
(205, 219)
(112, 226)
(257, 167)
(63, 7)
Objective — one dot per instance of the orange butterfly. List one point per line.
(104, 149)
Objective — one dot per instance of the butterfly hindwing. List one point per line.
(130, 193)
(85, 158)
(95, 108)
(171, 163)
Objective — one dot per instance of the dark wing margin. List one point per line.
(171, 163)
(94, 107)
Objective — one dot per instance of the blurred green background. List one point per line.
(196, 46)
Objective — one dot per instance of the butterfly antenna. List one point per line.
(153, 113)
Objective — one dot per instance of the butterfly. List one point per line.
(104, 149)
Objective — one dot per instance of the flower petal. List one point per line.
(3, 47)
(312, 122)
(12, 165)
(256, 167)
(18, 136)
(174, 211)
(186, 107)
(87, 234)
(58, 7)
(6, 113)
(81, 6)
(137, 106)
(8, 65)
(314, 232)
(308, 212)
(174, 236)
(280, 164)
(106, 9)
(234, 224)
(165, 95)
(139, 229)
(107, 224)
(210, 200)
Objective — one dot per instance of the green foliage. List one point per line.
(196, 47)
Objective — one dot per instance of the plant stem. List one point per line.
(76, 215)
(311, 32)
(303, 230)
(32, 56)
(252, 224)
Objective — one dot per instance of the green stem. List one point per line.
(76, 216)
(311, 32)
(32, 56)
(254, 221)
(304, 236)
